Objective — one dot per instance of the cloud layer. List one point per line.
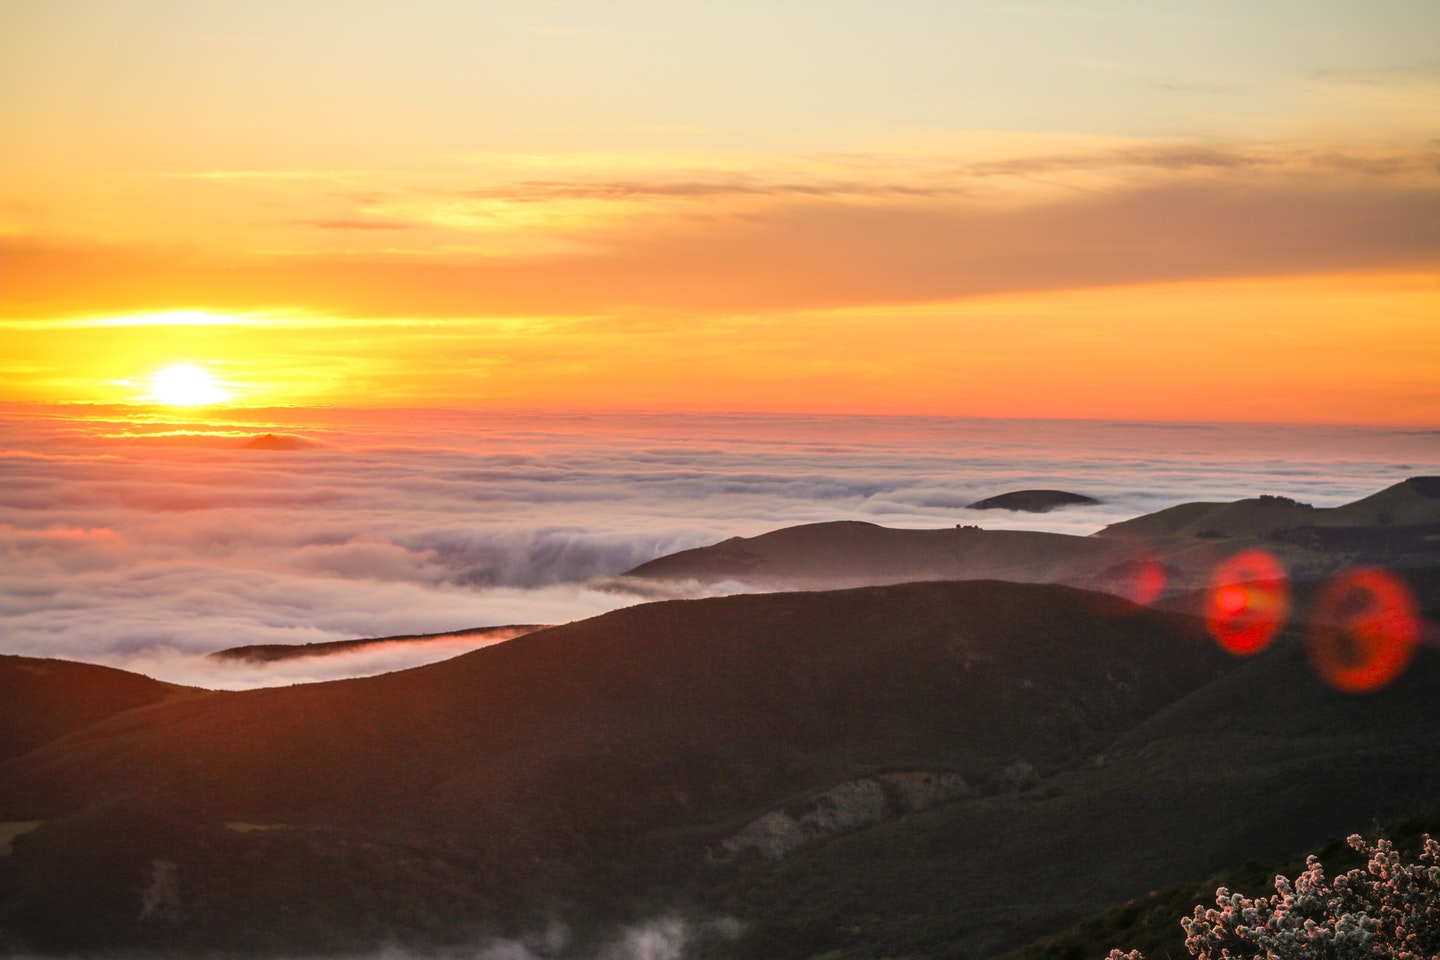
(140, 545)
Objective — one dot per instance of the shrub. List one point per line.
(1388, 909)
(1287, 501)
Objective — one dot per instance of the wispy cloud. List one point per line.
(310, 174)
(344, 224)
(630, 191)
(1185, 157)
(802, 245)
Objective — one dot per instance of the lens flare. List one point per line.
(1248, 602)
(1141, 579)
(1365, 629)
(1231, 599)
(1148, 582)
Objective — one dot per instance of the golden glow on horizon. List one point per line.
(1317, 349)
(1209, 225)
(185, 385)
(167, 318)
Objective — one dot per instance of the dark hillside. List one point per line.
(1033, 501)
(938, 770)
(1152, 923)
(42, 700)
(850, 553)
(574, 768)
(1263, 762)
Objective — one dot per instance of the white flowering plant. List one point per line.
(1387, 909)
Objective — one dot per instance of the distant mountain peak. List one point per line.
(1033, 501)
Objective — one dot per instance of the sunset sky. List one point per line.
(1176, 211)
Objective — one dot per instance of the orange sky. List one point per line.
(1100, 210)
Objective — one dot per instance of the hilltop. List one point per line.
(1178, 547)
(1410, 503)
(1033, 501)
(43, 700)
(853, 553)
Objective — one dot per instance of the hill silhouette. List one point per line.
(1033, 501)
(592, 756)
(1411, 502)
(852, 553)
(1398, 526)
(971, 765)
(272, 652)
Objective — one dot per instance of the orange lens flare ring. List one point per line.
(1366, 626)
(1248, 602)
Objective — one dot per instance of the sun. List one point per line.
(184, 385)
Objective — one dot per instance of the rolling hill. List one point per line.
(593, 756)
(1033, 501)
(1399, 526)
(966, 766)
(853, 553)
(1412, 502)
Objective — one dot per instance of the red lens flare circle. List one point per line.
(1248, 602)
(1140, 577)
(1366, 626)
(1147, 582)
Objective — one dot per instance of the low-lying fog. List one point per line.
(660, 938)
(147, 544)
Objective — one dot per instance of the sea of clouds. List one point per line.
(147, 543)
